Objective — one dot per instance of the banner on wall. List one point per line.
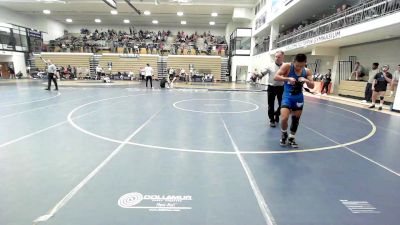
(315, 40)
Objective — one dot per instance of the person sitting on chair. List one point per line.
(358, 71)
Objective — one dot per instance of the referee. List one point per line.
(275, 89)
(51, 74)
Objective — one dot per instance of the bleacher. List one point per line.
(356, 89)
(201, 63)
(64, 59)
(128, 64)
(122, 63)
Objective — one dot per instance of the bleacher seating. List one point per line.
(128, 64)
(77, 60)
(145, 42)
(211, 63)
(356, 89)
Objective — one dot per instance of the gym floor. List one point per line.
(130, 155)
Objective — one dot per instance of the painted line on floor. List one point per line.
(42, 107)
(39, 100)
(266, 212)
(48, 128)
(77, 188)
(227, 151)
(354, 152)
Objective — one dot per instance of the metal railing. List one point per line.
(261, 47)
(354, 15)
(172, 49)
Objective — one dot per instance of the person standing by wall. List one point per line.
(99, 71)
(149, 74)
(51, 74)
(379, 86)
(12, 72)
(395, 81)
(326, 80)
(368, 88)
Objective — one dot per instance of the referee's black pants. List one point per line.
(274, 92)
(51, 77)
(151, 80)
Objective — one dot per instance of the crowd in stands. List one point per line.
(153, 42)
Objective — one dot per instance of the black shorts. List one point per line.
(380, 89)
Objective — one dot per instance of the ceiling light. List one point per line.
(127, 21)
(114, 12)
(214, 14)
(155, 21)
(46, 11)
(179, 13)
(212, 23)
(111, 3)
(68, 20)
(97, 20)
(147, 12)
(183, 22)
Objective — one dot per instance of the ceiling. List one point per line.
(83, 12)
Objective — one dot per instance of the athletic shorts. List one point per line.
(379, 88)
(293, 102)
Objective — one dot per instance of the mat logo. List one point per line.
(154, 202)
(130, 199)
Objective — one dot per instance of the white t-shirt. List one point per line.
(372, 74)
(148, 71)
(271, 71)
(98, 69)
(396, 75)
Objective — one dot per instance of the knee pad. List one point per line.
(295, 124)
(381, 97)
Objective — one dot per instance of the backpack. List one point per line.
(162, 83)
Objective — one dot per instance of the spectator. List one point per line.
(358, 71)
(149, 74)
(326, 80)
(368, 88)
(11, 71)
(99, 71)
(379, 86)
(395, 81)
(142, 73)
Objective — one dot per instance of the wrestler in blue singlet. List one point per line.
(293, 98)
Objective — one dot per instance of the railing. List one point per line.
(354, 15)
(261, 48)
(173, 49)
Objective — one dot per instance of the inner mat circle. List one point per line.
(216, 151)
